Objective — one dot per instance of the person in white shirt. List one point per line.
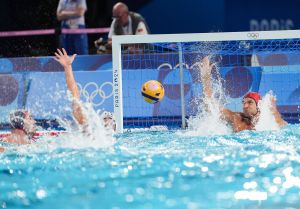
(71, 14)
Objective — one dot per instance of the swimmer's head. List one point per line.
(250, 103)
(253, 95)
(21, 119)
(108, 120)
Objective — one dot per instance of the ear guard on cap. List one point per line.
(16, 119)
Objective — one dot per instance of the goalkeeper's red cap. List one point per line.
(253, 95)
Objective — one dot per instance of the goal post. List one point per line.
(117, 85)
(247, 61)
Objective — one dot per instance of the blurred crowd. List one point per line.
(71, 14)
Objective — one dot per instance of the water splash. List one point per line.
(208, 116)
(94, 135)
(267, 119)
(208, 122)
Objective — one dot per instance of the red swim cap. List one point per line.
(253, 95)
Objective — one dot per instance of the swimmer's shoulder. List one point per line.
(231, 116)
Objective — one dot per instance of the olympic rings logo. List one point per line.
(95, 94)
(169, 66)
(253, 35)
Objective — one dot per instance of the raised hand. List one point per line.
(205, 66)
(281, 122)
(62, 57)
(273, 103)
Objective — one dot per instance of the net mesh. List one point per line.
(252, 65)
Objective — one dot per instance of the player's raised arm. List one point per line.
(206, 78)
(279, 120)
(62, 57)
(205, 68)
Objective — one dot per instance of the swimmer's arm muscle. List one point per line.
(205, 68)
(66, 61)
(228, 115)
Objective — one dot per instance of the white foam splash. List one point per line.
(208, 120)
(95, 136)
(266, 119)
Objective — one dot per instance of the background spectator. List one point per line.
(126, 23)
(71, 13)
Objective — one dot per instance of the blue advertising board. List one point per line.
(38, 84)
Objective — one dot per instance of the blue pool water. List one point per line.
(157, 170)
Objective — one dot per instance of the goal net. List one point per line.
(246, 61)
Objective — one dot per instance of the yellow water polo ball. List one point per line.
(153, 91)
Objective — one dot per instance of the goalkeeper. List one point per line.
(239, 121)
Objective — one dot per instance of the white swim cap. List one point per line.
(106, 114)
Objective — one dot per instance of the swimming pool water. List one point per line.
(157, 170)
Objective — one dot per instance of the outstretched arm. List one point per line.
(206, 67)
(276, 113)
(206, 78)
(62, 57)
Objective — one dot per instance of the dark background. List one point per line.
(36, 14)
(163, 17)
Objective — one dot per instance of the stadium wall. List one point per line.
(194, 16)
